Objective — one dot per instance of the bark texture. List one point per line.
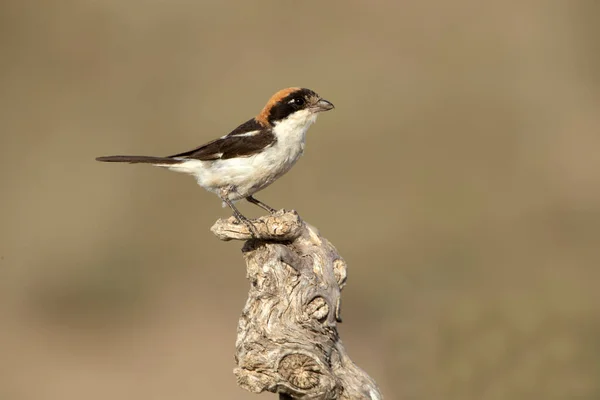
(287, 339)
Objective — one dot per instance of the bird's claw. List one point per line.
(249, 225)
(252, 229)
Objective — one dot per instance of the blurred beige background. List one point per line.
(459, 176)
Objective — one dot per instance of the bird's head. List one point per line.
(298, 106)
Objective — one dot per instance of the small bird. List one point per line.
(253, 155)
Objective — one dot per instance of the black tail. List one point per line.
(139, 159)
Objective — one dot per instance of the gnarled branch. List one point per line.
(287, 340)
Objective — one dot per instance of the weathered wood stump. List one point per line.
(287, 339)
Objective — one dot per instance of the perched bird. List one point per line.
(253, 155)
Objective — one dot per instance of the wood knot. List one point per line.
(339, 270)
(318, 309)
(300, 370)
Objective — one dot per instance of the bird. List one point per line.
(252, 156)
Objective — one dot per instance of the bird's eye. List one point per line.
(299, 101)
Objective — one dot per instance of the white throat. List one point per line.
(291, 136)
(292, 130)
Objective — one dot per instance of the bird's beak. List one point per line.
(323, 105)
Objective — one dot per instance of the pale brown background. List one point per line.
(459, 176)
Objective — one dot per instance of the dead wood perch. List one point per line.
(287, 339)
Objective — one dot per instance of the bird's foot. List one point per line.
(271, 210)
(243, 220)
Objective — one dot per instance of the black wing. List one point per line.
(247, 139)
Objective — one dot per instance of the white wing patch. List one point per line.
(251, 133)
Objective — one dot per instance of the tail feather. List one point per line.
(139, 159)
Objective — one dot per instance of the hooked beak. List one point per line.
(323, 105)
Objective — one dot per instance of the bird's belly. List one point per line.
(246, 175)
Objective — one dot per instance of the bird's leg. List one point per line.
(237, 214)
(262, 205)
(240, 217)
